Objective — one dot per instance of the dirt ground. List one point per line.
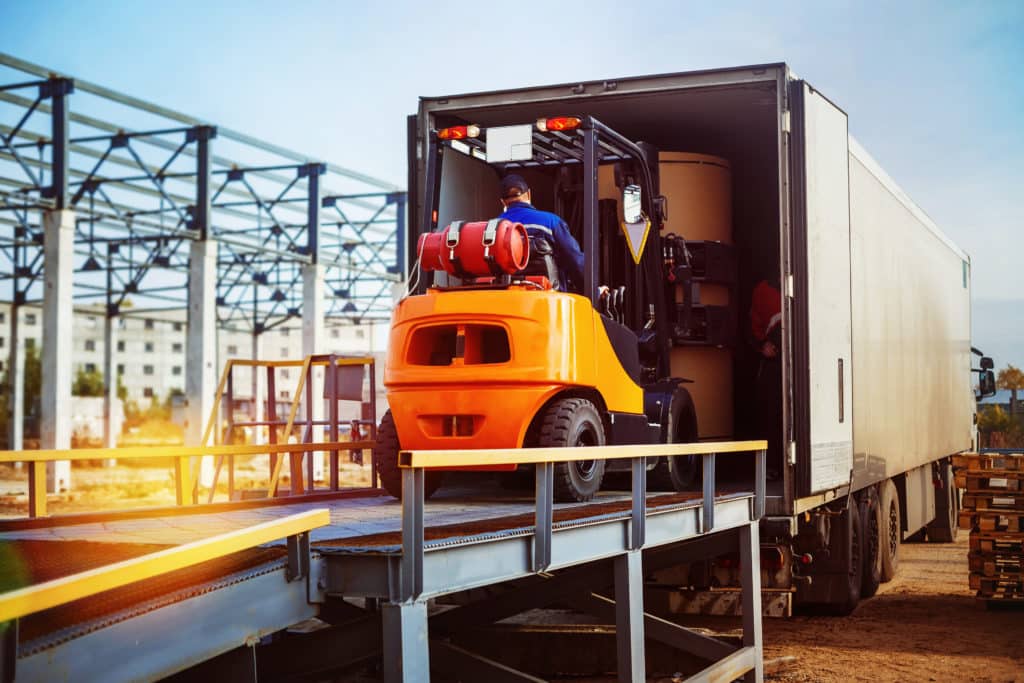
(925, 625)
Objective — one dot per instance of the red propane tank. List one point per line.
(476, 249)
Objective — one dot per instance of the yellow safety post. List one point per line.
(37, 489)
(183, 480)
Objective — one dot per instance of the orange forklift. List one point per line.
(487, 354)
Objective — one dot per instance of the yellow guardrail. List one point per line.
(24, 601)
(181, 455)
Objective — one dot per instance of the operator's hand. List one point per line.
(602, 291)
(769, 350)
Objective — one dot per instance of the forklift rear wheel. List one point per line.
(678, 472)
(574, 422)
(385, 459)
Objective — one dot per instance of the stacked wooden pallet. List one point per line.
(993, 509)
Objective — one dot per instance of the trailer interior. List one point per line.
(739, 123)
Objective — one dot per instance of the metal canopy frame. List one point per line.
(146, 181)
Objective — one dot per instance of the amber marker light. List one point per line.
(459, 132)
(559, 123)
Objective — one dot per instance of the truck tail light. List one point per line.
(459, 132)
(559, 123)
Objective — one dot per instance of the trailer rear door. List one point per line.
(822, 340)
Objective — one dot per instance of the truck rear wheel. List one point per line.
(574, 422)
(871, 524)
(944, 528)
(848, 545)
(890, 529)
(385, 460)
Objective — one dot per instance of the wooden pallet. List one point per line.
(997, 565)
(994, 501)
(993, 509)
(992, 520)
(997, 541)
(989, 461)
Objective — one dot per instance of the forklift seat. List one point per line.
(542, 262)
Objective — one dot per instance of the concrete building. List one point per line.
(150, 354)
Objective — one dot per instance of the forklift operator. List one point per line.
(548, 233)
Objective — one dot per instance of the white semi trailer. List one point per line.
(876, 380)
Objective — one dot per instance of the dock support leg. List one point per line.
(406, 648)
(750, 580)
(629, 616)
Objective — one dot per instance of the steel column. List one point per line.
(58, 89)
(312, 339)
(16, 378)
(412, 533)
(109, 380)
(58, 324)
(750, 581)
(629, 616)
(201, 338)
(406, 647)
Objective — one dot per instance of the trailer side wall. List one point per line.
(912, 396)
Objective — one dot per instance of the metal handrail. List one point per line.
(181, 455)
(415, 463)
(24, 601)
(303, 389)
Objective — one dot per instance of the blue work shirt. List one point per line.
(568, 255)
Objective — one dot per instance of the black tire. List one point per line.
(871, 524)
(385, 460)
(945, 527)
(890, 528)
(574, 422)
(850, 546)
(682, 472)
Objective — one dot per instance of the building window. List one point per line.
(284, 352)
(1, 366)
(149, 347)
(232, 350)
(147, 392)
(120, 346)
(335, 333)
(147, 369)
(360, 334)
(90, 321)
(122, 324)
(120, 368)
(90, 344)
(284, 331)
(178, 327)
(176, 370)
(176, 347)
(3, 317)
(149, 323)
(30, 318)
(1, 342)
(284, 394)
(285, 374)
(30, 343)
(90, 367)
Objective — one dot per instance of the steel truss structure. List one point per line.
(145, 182)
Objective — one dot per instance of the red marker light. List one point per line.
(559, 123)
(459, 132)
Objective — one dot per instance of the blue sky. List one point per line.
(933, 89)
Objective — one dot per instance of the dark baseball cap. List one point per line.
(513, 185)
